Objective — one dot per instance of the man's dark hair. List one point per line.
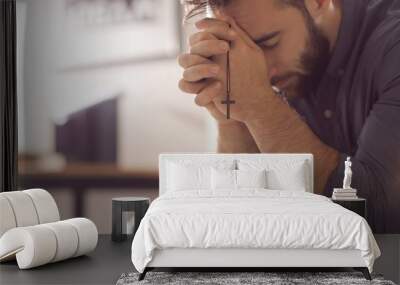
(200, 6)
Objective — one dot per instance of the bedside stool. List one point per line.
(127, 213)
(358, 206)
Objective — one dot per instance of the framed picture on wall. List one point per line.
(107, 32)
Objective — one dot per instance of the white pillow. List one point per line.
(251, 178)
(183, 177)
(223, 179)
(281, 174)
(227, 179)
(292, 179)
(193, 174)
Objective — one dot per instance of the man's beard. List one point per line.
(313, 63)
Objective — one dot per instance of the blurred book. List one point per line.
(340, 193)
(89, 135)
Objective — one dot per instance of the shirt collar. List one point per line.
(352, 16)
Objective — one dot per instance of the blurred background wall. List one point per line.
(76, 54)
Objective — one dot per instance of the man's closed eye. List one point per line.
(269, 44)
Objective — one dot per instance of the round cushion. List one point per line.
(7, 220)
(45, 205)
(23, 208)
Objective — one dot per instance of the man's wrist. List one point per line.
(233, 131)
(271, 114)
(262, 102)
(234, 137)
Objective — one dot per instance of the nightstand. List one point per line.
(127, 213)
(358, 206)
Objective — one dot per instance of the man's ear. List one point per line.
(318, 8)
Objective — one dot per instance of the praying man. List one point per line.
(338, 64)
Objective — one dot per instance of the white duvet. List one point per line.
(251, 218)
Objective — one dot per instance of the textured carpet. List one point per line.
(232, 278)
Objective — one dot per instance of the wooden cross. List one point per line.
(228, 100)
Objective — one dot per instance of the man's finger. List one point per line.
(212, 109)
(215, 32)
(200, 36)
(192, 87)
(210, 48)
(210, 22)
(188, 60)
(243, 35)
(208, 94)
(201, 71)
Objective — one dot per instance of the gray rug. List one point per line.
(269, 278)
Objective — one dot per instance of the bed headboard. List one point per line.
(165, 157)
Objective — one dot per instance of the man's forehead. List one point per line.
(254, 16)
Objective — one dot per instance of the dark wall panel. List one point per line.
(8, 97)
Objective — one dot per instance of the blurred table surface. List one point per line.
(84, 169)
(79, 177)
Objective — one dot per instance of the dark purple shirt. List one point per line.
(356, 108)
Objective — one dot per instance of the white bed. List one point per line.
(248, 227)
